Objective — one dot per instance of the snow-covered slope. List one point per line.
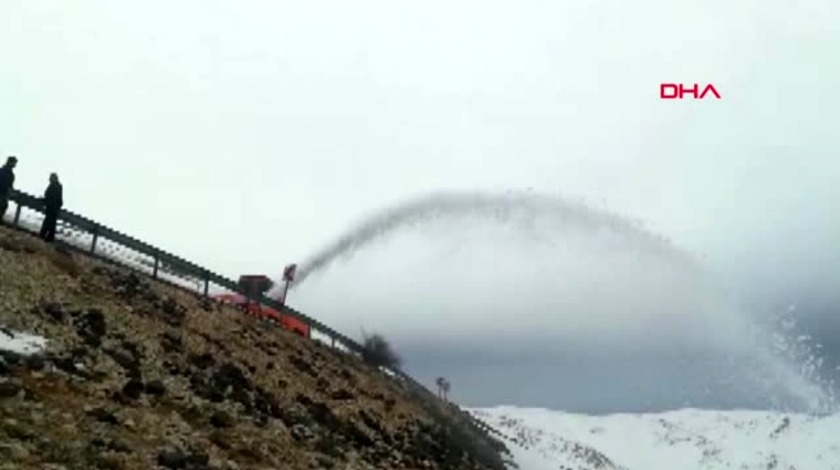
(678, 440)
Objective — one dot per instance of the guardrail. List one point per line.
(99, 233)
(160, 261)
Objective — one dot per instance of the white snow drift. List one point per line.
(678, 440)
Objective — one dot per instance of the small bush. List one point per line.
(378, 352)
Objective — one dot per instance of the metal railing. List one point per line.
(91, 237)
(161, 261)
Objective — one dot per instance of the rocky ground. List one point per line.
(140, 375)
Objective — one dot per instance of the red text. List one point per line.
(670, 91)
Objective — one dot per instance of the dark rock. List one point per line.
(68, 365)
(302, 433)
(135, 374)
(9, 389)
(125, 359)
(16, 431)
(35, 362)
(330, 444)
(294, 415)
(174, 368)
(196, 460)
(390, 403)
(133, 389)
(99, 270)
(115, 445)
(171, 343)
(243, 397)
(93, 341)
(370, 422)
(200, 386)
(172, 458)
(54, 310)
(118, 445)
(261, 420)
(91, 327)
(8, 245)
(202, 361)
(131, 348)
(221, 439)
(79, 352)
(303, 366)
(321, 413)
(342, 395)
(267, 403)
(156, 388)
(11, 358)
(229, 378)
(173, 312)
(126, 286)
(97, 442)
(221, 419)
(170, 306)
(359, 438)
(103, 416)
(4, 369)
(96, 322)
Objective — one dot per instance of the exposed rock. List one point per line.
(91, 327)
(302, 433)
(133, 389)
(342, 395)
(54, 310)
(35, 362)
(10, 389)
(155, 388)
(303, 366)
(103, 416)
(172, 458)
(221, 419)
(171, 343)
(202, 361)
(68, 365)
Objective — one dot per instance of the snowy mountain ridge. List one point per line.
(686, 439)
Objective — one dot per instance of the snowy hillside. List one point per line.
(678, 440)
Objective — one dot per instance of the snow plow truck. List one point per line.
(255, 286)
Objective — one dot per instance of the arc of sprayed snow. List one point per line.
(505, 205)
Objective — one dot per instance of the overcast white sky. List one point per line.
(245, 135)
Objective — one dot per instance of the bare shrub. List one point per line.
(377, 351)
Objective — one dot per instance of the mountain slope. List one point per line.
(139, 375)
(685, 440)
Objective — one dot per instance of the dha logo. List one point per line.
(670, 91)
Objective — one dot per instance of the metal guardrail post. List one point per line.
(206, 285)
(333, 341)
(155, 268)
(17, 214)
(95, 238)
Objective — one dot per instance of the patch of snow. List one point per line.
(21, 343)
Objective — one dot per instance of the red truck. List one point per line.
(256, 286)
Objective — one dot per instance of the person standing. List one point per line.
(7, 182)
(53, 200)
